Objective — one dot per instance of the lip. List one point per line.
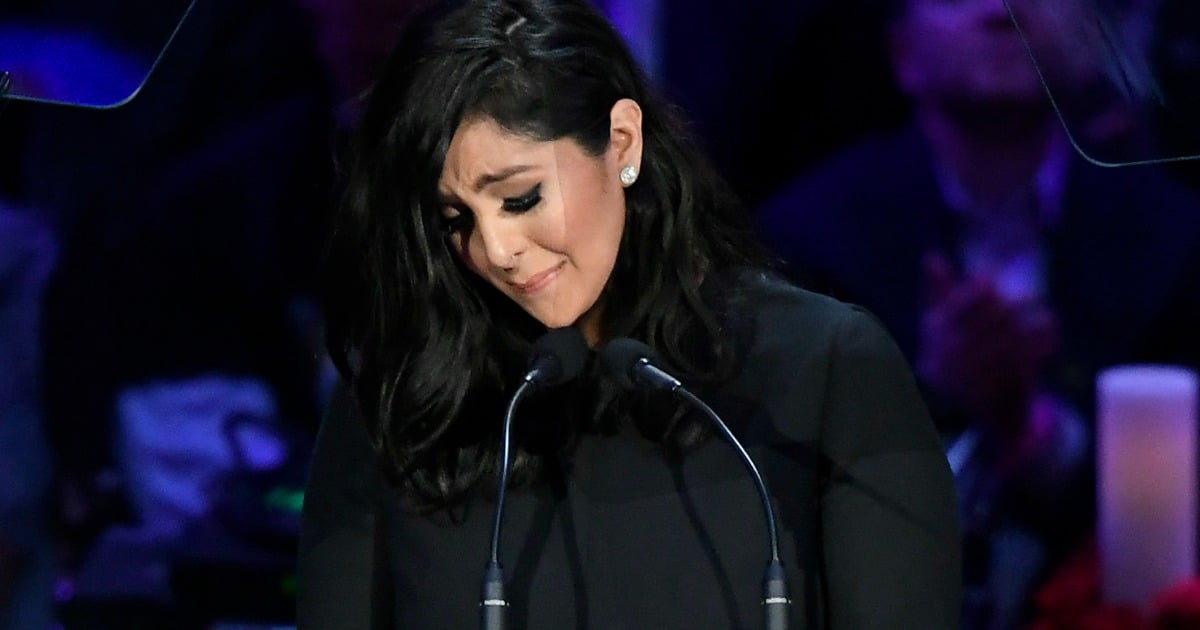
(539, 281)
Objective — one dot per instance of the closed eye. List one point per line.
(525, 202)
(460, 222)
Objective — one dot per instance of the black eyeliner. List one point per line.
(524, 202)
(456, 223)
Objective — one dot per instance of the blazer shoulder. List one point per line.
(786, 320)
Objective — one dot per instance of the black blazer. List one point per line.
(627, 538)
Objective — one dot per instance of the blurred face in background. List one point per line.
(967, 53)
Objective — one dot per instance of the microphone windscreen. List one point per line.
(619, 357)
(565, 348)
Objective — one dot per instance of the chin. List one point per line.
(556, 320)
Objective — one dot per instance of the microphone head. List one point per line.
(558, 356)
(620, 358)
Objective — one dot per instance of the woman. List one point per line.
(512, 172)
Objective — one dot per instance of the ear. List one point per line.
(625, 136)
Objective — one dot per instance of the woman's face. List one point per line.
(540, 221)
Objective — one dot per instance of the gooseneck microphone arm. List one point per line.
(768, 509)
(631, 362)
(495, 603)
(558, 356)
(775, 586)
(506, 459)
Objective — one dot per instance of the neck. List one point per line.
(589, 325)
(990, 155)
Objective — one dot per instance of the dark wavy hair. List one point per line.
(431, 351)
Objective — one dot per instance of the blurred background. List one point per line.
(165, 166)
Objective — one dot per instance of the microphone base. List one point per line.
(493, 608)
(776, 602)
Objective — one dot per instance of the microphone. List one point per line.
(634, 365)
(557, 357)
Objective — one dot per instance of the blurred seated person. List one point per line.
(26, 549)
(179, 345)
(1010, 271)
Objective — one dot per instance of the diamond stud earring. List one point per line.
(629, 175)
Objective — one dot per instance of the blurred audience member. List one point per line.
(737, 67)
(1009, 269)
(180, 369)
(1175, 58)
(27, 559)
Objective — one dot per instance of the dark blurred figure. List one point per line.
(1009, 270)
(736, 69)
(354, 37)
(739, 68)
(1175, 56)
(180, 381)
(28, 248)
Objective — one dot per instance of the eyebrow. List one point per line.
(487, 179)
(491, 178)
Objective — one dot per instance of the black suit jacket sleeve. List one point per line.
(890, 527)
(341, 580)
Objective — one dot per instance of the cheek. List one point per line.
(609, 223)
(462, 248)
(557, 236)
(595, 237)
(594, 217)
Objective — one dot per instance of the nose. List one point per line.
(501, 240)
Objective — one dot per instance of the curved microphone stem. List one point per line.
(775, 586)
(494, 605)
